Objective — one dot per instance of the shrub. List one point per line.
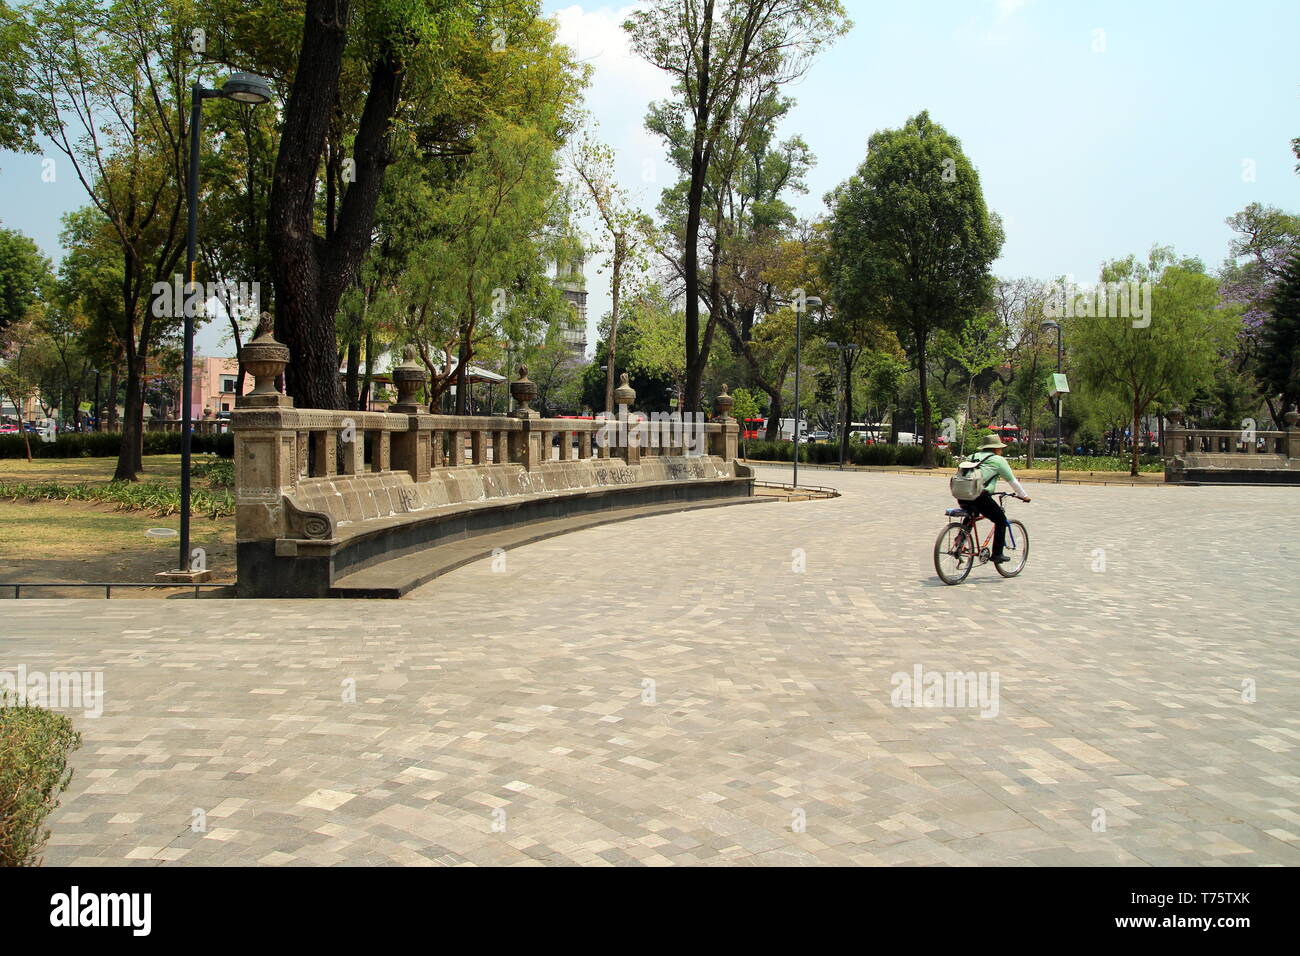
(107, 445)
(829, 453)
(220, 472)
(1146, 463)
(34, 748)
(160, 500)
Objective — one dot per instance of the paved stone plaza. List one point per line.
(715, 688)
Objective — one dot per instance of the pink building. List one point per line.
(215, 381)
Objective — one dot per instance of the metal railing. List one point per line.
(106, 585)
(788, 486)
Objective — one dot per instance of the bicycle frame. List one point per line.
(971, 524)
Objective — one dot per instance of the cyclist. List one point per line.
(992, 467)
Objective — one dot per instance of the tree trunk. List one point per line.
(310, 273)
(775, 409)
(462, 376)
(112, 398)
(927, 449)
(691, 266)
(354, 368)
(370, 373)
(1137, 444)
(615, 291)
(130, 453)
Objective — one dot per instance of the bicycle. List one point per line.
(958, 545)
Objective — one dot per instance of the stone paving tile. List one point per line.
(714, 688)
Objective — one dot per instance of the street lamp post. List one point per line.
(242, 88)
(800, 306)
(1052, 324)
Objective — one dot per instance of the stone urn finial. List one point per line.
(1291, 417)
(409, 377)
(1175, 416)
(523, 390)
(625, 394)
(265, 326)
(723, 405)
(265, 359)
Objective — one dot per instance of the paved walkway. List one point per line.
(719, 688)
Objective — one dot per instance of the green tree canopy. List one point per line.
(1165, 360)
(911, 242)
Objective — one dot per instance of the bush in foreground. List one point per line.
(34, 748)
(108, 444)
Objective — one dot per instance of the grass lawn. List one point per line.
(77, 541)
(163, 469)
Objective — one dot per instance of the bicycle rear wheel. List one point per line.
(953, 556)
(1016, 548)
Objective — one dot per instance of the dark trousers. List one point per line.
(987, 506)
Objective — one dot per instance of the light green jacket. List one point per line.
(994, 467)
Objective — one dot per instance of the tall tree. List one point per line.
(1280, 366)
(628, 233)
(1265, 239)
(433, 75)
(112, 79)
(720, 54)
(1165, 360)
(20, 369)
(22, 270)
(911, 242)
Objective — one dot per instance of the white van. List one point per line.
(787, 430)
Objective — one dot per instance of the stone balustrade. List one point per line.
(1232, 455)
(202, 426)
(321, 494)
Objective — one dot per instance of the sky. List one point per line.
(1098, 128)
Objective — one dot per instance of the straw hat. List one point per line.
(994, 442)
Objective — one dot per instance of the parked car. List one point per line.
(819, 435)
(8, 429)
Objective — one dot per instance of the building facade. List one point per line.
(572, 283)
(215, 381)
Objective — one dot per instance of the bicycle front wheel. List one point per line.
(953, 555)
(1017, 549)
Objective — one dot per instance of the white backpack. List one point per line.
(967, 484)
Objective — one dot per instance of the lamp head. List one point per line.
(246, 88)
(1049, 324)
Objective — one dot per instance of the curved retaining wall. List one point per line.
(337, 525)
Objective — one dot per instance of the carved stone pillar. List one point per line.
(410, 448)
